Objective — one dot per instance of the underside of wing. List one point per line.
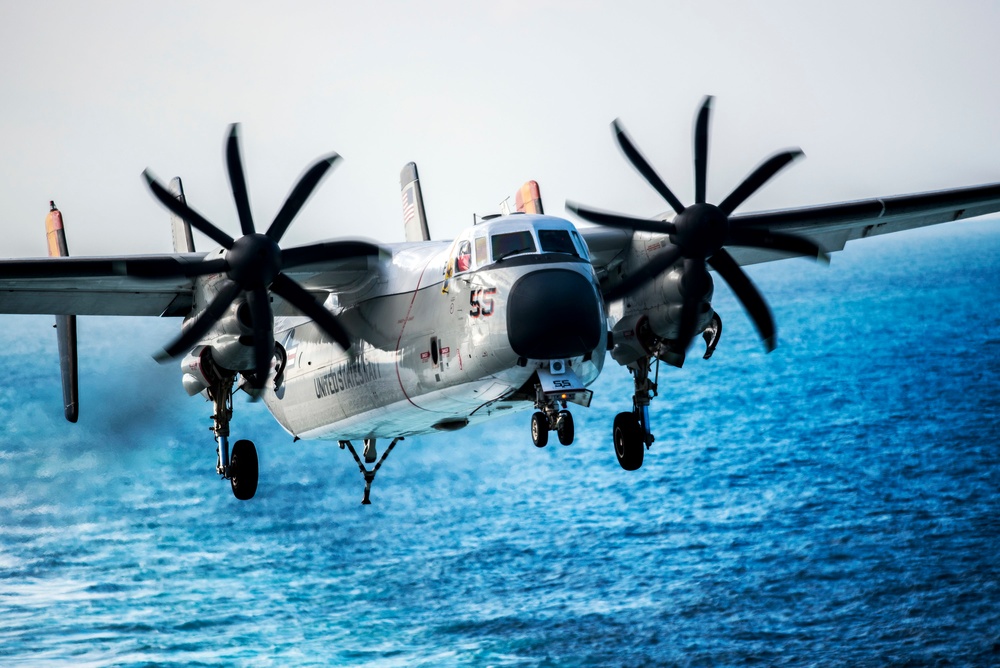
(113, 285)
(831, 226)
(607, 247)
(135, 284)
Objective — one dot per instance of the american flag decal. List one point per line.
(409, 207)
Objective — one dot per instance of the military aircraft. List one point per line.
(352, 340)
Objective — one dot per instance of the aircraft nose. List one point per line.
(554, 314)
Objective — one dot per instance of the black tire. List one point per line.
(629, 443)
(565, 430)
(539, 429)
(243, 470)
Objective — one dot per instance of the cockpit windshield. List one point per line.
(511, 243)
(556, 241)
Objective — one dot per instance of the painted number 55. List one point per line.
(481, 302)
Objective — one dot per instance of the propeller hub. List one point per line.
(254, 261)
(701, 230)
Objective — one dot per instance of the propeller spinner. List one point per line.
(254, 262)
(699, 234)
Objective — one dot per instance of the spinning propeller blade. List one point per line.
(698, 234)
(701, 150)
(200, 326)
(253, 263)
(643, 166)
(237, 180)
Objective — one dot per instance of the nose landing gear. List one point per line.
(557, 385)
(559, 421)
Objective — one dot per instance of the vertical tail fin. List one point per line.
(183, 241)
(65, 324)
(414, 218)
(529, 198)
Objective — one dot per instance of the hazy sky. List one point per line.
(884, 98)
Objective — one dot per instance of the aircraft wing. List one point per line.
(125, 284)
(831, 226)
(113, 285)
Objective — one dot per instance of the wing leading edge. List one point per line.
(133, 284)
(113, 285)
(831, 226)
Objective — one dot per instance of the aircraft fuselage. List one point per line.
(450, 335)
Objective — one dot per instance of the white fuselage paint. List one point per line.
(432, 352)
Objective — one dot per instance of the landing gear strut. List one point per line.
(632, 435)
(240, 469)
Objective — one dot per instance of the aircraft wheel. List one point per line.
(565, 429)
(629, 445)
(243, 470)
(539, 429)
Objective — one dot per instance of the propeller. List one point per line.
(253, 263)
(699, 234)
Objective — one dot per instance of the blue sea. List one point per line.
(834, 503)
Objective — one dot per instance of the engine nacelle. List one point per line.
(650, 317)
(199, 370)
(670, 290)
(231, 351)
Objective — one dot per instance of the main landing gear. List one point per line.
(551, 415)
(240, 467)
(631, 430)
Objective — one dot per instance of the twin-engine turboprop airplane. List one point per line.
(348, 340)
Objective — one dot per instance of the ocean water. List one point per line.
(833, 503)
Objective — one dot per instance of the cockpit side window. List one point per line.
(481, 251)
(463, 261)
(511, 243)
(581, 245)
(556, 241)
